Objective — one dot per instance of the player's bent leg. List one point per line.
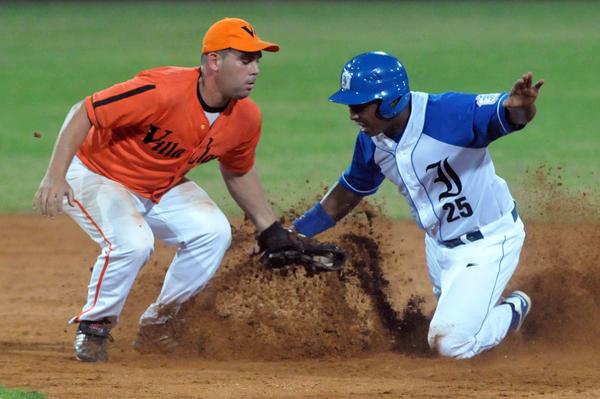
(188, 218)
(448, 341)
(109, 214)
(462, 342)
(468, 318)
(115, 271)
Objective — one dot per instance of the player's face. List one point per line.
(237, 73)
(366, 117)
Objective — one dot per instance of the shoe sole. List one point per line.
(85, 359)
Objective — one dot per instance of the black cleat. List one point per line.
(91, 341)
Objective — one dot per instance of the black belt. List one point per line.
(474, 235)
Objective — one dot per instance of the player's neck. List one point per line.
(210, 94)
(398, 124)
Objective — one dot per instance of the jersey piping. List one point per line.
(122, 96)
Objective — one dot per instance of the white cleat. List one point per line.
(520, 303)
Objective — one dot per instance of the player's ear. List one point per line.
(213, 61)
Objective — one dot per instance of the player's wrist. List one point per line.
(272, 237)
(314, 221)
(516, 118)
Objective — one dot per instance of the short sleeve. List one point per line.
(467, 120)
(241, 158)
(363, 176)
(490, 118)
(129, 103)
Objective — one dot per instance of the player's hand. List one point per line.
(523, 94)
(49, 196)
(281, 247)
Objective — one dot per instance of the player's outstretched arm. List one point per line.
(54, 187)
(339, 201)
(248, 193)
(520, 103)
(336, 204)
(278, 245)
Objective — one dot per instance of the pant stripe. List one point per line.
(491, 296)
(106, 261)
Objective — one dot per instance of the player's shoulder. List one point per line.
(248, 105)
(365, 144)
(447, 117)
(457, 118)
(248, 110)
(450, 99)
(458, 100)
(173, 84)
(364, 139)
(170, 74)
(449, 106)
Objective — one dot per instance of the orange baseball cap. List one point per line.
(234, 33)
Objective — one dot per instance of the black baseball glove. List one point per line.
(281, 247)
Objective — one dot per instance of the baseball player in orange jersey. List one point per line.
(118, 169)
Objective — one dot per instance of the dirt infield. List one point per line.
(255, 333)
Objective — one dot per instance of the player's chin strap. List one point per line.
(314, 221)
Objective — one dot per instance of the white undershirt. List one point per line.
(212, 116)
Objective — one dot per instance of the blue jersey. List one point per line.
(440, 162)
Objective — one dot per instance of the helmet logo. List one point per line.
(346, 77)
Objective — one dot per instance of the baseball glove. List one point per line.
(281, 247)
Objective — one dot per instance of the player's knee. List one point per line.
(142, 249)
(216, 233)
(138, 246)
(220, 233)
(449, 341)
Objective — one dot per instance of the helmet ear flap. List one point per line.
(390, 109)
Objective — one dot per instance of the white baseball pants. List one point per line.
(469, 280)
(125, 224)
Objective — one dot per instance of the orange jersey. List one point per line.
(148, 132)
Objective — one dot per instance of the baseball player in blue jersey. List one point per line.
(434, 148)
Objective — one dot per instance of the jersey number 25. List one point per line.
(448, 176)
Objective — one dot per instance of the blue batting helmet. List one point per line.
(374, 76)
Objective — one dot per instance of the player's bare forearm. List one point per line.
(339, 201)
(54, 186)
(521, 116)
(249, 194)
(72, 133)
(520, 104)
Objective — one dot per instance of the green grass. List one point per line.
(51, 55)
(6, 393)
